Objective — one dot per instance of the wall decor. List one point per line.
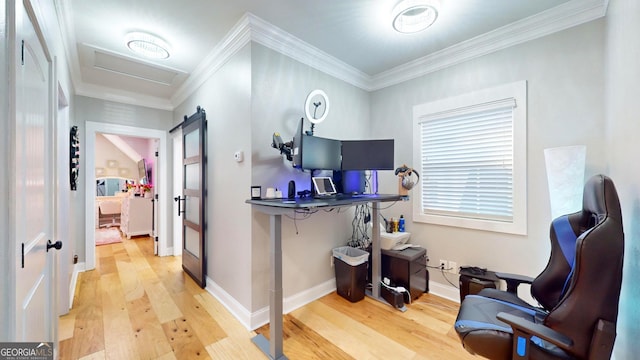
(74, 157)
(123, 172)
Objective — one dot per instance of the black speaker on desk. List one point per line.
(291, 193)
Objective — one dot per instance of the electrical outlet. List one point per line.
(442, 264)
(453, 267)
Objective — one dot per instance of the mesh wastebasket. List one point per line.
(351, 272)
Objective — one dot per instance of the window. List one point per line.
(472, 153)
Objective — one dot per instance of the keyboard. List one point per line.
(349, 196)
(339, 196)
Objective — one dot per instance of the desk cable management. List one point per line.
(306, 214)
(444, 273)
(399, 289)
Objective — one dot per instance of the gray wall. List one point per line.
(564, 72)
(622, 147)
(280, 86)
(255, 94)
(225, 96)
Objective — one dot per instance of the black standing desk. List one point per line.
(275, 208)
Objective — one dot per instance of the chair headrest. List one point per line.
(600, 198)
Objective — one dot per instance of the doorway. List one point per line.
(161, 173)
(126, 179)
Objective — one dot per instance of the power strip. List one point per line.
(392, 297)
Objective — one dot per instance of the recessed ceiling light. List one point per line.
(147, 45)
(411, 16)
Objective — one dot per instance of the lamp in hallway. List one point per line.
(565, 177)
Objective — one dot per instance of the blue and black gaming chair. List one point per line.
(578, 291)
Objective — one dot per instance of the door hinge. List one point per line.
(23, 255)
(156, 239)
(156, 154)
(22, 61)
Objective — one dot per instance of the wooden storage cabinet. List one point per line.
(136, 217)
(407, 268)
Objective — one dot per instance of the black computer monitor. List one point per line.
(296, 147)
(367, 154)
(320, 153)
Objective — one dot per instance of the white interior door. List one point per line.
(35, 305)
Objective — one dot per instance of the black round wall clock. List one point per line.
(74, 164)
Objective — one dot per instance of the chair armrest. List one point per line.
(514, 280)
(528, 329)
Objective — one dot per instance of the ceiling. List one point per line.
(352, 40)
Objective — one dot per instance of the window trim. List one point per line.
(517, 91)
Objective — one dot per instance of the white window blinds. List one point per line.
(467, 158)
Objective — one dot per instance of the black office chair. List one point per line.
(578, 291)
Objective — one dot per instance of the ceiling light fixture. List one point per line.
(412, 16)
(147, 45)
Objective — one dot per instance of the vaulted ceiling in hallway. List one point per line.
(352, 38)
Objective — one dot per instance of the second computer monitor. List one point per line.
(368, 154)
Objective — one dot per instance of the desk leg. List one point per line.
(375, 252)
(273, 348)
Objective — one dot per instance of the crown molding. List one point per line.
(68, 38)
(252, 28)
(556, 19)
(232, 43)
(278, 40)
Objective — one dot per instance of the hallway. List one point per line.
(135, 305)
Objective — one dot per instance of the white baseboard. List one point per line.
(253, 320)
(77, 269)
(444, 291)
(303, 298)
(232, 305)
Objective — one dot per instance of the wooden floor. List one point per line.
(138, 306)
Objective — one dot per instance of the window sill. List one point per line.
(515, 227)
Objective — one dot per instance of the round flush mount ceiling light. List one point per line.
(147, 45)
(411, 16)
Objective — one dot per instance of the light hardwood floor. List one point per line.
(135, 305)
